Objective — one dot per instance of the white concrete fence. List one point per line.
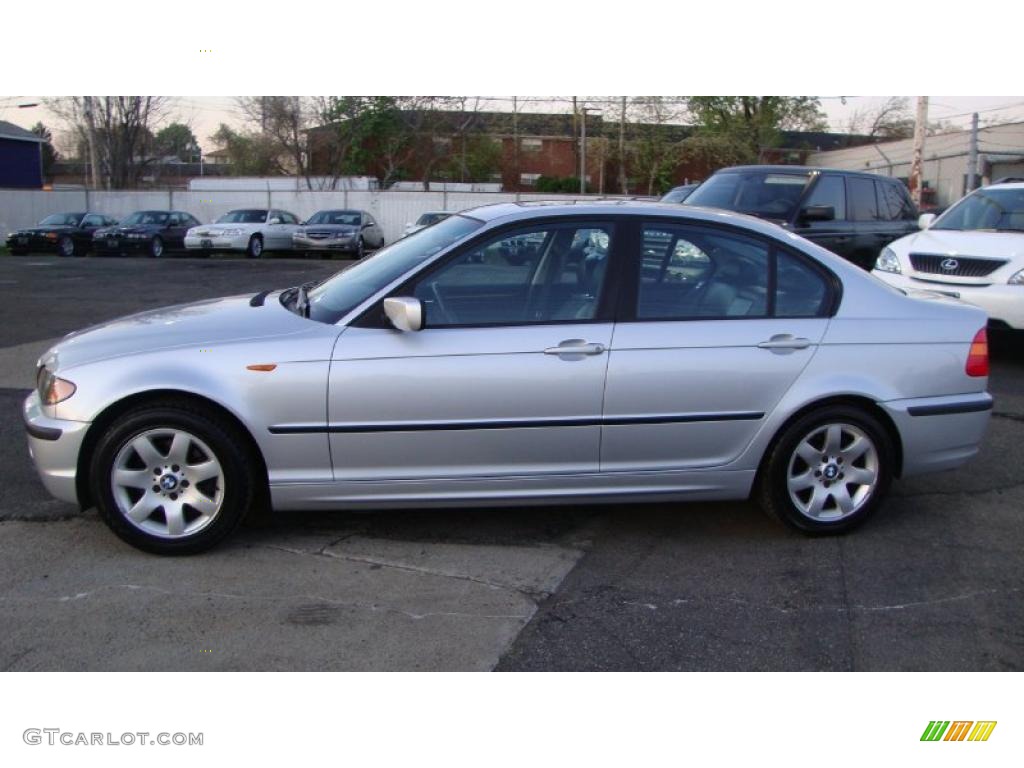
(392, 209)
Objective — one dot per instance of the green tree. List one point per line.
(753, 123)
(178, 140)
(50, 155)
(250, 154)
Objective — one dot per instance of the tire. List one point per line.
(156, 247)
(808, 484)
(254, 250)
(66, 246)
(202, 460)
(360, 249)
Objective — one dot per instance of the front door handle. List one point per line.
(572, 347)
(784, 341)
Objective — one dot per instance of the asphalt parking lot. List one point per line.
(934, 582)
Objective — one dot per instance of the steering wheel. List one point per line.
(442, 308)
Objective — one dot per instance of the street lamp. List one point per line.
(583, 147)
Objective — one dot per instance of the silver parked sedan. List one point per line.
(521, 354)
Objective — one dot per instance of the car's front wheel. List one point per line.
(156, 247)
(173, 478)
(828, 471)
(66, 246)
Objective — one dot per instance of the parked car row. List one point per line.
(252, 231)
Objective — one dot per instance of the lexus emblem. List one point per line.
(949, 264)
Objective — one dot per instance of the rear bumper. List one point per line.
(54, 445)
(1003, 303)
(940, 433)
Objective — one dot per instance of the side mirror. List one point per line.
(818, 213)
(925, 220)
(404, 312)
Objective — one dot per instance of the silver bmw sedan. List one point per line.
(520, 354)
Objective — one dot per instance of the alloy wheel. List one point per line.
(833, 472)
(67, 246)
(168, 483)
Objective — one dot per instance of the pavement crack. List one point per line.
(374, 607)
(532, 594)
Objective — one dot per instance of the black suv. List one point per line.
(852, 214)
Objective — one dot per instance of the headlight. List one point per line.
(52, 390)
(1017, 278)
(342, 235)
(300, 233)
(888, 261)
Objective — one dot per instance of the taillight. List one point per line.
(977, 357)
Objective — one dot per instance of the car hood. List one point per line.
(949, 242)
(44, 230)
(131, 230)
(199, 324)
(346, 228)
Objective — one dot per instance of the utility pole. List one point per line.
(583, 151)
(920, 123)
(972, 158)
(622, 149)
(90, 137)
(515, 142)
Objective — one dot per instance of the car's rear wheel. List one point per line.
(173, 478)
(828, 471)
(156, 247)
(66, 246)
(255, 248)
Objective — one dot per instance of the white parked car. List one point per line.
(974, 252)
(253, 230)
(425, 220)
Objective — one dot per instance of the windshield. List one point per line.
(999, 210)
(145, 217)
(61, 220)
(760, 193)
(331, 300)
(431, 218)
(254, 216)
(349, 218)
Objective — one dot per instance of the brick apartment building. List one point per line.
(539, 144)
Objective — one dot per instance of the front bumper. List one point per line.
(31, 243)
(119, 244)
(940, 433)
(216, 242)
(343, 245)
(1003, 303)
(54, 445)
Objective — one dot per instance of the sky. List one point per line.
(205, 113)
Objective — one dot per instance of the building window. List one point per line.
(531, 145)
(529, 179)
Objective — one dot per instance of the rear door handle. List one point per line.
(784, 341)
(575, 347)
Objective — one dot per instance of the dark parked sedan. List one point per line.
(150, 232)
(352, 232)
(678, 194)
(853, 214)
(66, 234)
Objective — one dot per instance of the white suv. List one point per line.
(974, 252)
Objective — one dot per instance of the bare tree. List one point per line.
(889, 120)
(118, 130)
(285, 120)
(655, 154)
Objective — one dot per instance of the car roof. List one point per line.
(1006, 185)
(799, 169)
(524, 211)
